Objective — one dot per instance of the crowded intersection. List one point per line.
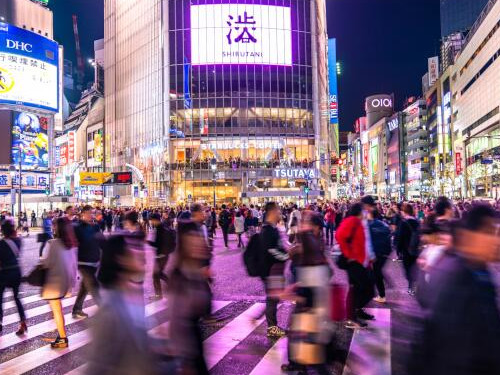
(223, 315)
(249, 187)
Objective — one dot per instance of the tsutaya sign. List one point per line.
(295, 173)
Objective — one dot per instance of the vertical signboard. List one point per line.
(71, 147)
(458, 163)
(333, 107)
(433, 67)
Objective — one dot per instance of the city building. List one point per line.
(476, 108)
(415, 163)
(459, 15)
(237, 112)
(30, 104)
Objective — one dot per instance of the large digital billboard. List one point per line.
(28, 69)
(29, 141)
(241, 34)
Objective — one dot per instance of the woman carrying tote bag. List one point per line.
(61, 265)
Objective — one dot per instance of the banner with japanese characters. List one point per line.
(241, 34)
(29, 180)
(30, 142)
(28, 69)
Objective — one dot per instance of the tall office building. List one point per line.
(459, 15)
(222, 101)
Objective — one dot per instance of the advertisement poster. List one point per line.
(29, 140)
(28, 69)
(241, 34)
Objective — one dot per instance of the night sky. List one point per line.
(383, 45)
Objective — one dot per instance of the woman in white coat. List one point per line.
(61, 266)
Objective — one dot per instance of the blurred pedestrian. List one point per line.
(10, 272)
(225, 223)
(313, 300)
(189, 299)
(61, 265)
(461, 330)
(119, 339)
(380, 235)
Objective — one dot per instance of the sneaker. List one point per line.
(361, 314)
(379, 299)
(411, 292)
(355, 324)
(80, 315)
(275, 331)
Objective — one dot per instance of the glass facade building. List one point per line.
(231, 100)
(459, 15)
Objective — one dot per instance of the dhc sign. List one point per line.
(295, 173)
(14, 44)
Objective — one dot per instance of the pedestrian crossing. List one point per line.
(239, 340)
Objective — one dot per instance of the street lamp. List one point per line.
(213, 166)
(12, 171)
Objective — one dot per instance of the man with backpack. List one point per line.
(164, 244)
(265, 257)
(225, 223)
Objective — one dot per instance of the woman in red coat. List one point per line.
(352, 239)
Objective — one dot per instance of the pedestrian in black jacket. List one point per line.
(164, 244)
(461, 328)
(408, 243)
(273, 258)
(10, 273)
(380, 235)
(88, 235)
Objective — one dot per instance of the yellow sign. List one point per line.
(6, 81)
(94, 178)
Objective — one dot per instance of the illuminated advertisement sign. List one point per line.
(295, 173)
(433, 68)
(71, 147)
(28, 69)
(29, 180)
(332, 82)
(241, 34)
(29, 140)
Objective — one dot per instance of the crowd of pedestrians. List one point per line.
(444, 249)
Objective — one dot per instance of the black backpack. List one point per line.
(252, 256)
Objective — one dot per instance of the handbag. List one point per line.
(41, 237)
(342, 262)
(37, 276)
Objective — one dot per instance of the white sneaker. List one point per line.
(379, 299)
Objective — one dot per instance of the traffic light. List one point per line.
(47, 191)
(306, 189)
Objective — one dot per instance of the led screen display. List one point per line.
(28, 68)
(241, 34)
(30, 143)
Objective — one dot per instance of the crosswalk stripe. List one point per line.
(40, 356)
(24, 301)
(156, 331)
(370, 351)
(14, 317)
(223, 341)
(273, 359)
(41, 328)
(216, 306)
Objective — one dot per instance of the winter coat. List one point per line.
(350, 236)
(61, 265)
